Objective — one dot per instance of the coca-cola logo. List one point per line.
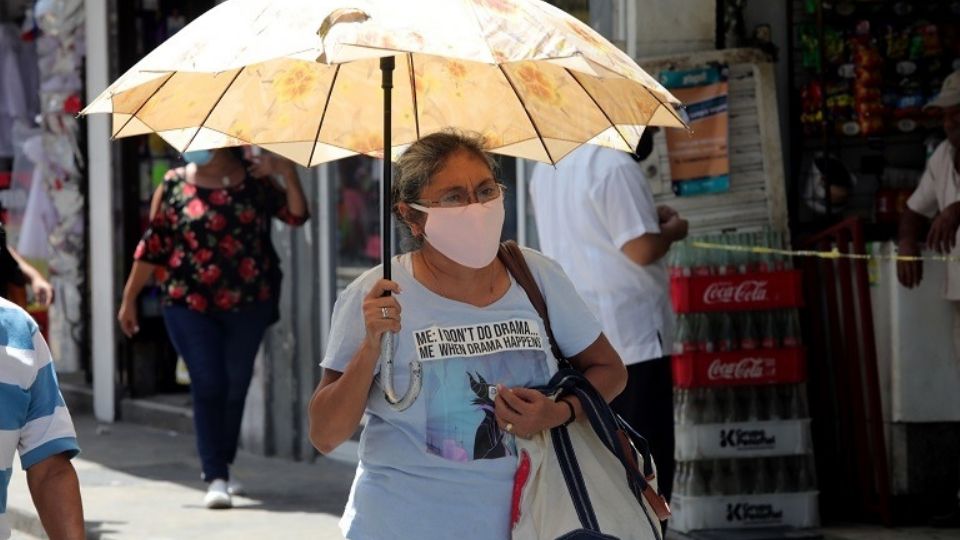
(726, 292)
(753, 513)
(747, 439)
(751, 369)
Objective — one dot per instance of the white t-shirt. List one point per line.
(940, 187)
(443, 469)
(587, 208)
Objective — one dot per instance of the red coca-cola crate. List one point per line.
(737, 292)
(739, 368)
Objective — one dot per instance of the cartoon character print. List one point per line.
(461, 424)
(489, 441)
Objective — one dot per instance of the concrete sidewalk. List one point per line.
(142, 483)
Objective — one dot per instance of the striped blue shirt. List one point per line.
(34, 420)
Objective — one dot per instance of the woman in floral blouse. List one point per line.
(209, 235)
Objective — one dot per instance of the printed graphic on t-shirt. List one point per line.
(462, 365)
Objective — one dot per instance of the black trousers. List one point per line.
(647, 405)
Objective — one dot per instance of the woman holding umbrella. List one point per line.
(209, 235)
(444, 467)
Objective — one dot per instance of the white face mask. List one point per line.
(468, 235)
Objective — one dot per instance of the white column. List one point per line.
(631, 17)
(100, 207)
(522, 202)
(325, 232)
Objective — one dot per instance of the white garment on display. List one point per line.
(13, 102)
(39, 218)
(587, 207)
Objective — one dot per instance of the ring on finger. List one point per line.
(385, 312)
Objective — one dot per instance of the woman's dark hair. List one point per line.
(416, 167)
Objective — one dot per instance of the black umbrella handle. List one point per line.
(387, 64)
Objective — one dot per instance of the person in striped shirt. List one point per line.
(35, 423)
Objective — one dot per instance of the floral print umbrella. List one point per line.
(302, 78)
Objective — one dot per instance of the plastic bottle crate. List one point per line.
(737, 292)
(739, 368)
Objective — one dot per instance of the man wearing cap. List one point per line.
(937, 197)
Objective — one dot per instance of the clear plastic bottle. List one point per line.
(753, 404)
(782, 482)
(805, 480)
(775, 403)
(727, 335)
(769, 334)
(749, 336)
(685, 337)
(736, 477)
(763, 482)
(680, 478)
(706, 341)
(731, 406)
(681, 406)
(698, 483)
(721, 484)
(791, 329)
(697, 399)
(712, 408)
(798, 401)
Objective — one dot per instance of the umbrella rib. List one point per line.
(476, 17)
(323, 116)
(142, 105)
(662, 104)
(594, 100)
(413, 91)
(529, 116)
(215, 105)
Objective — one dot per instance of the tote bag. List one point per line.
(594, 478)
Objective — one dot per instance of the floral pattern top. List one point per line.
(214, 245)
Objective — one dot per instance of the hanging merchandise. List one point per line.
(15, 199)
(58, 162)
(18, 85)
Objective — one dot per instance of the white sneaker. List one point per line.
(234, 487)
(217, 497)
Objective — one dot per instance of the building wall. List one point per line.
(662, 28)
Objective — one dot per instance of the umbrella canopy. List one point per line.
(302, 78)
(305, 79)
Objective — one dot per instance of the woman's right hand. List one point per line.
(375, 307)
(128, 318)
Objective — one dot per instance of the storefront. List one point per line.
(860, 74)
(841, 79)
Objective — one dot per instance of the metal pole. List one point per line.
(102, 225)
(387, 65)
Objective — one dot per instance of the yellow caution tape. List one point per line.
(832, 254)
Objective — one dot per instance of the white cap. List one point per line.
(949, 93)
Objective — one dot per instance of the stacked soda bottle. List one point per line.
(742, 402)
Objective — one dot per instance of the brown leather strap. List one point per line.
(512, 257)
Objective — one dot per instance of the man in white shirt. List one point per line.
(596, 217)
(937, 197)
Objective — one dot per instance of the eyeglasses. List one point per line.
(457, 197)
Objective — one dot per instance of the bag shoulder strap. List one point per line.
(512, 257)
